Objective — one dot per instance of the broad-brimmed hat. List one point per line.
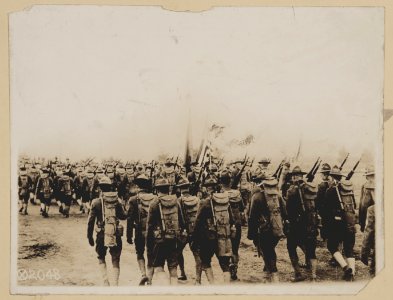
(369, 171)
(325, 168)
(104, 180)
(264, 160)
(161, 182)
(210, 181)
(297, 171)
(335, 171)
(22, 171)
(183, 182)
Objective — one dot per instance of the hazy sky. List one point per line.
(122, 81)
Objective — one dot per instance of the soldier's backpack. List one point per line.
(111, 222)
(235, 201)
(66, 188)
(309, 194)
(169, 217)
(190, 208)
(144, 201)
(271, 192)
(221, 222)
(46, 188)
(24, 185)
(348, 204)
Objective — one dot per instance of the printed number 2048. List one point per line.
(32, 274)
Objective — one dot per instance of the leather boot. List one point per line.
(25, 208)
(150, 273)
(298, 274)
(209, 275)
(102, 267)
(142, 268)
(198, 271)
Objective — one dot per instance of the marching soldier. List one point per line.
(189, 207)
(87, 189)
(367, 220)
(138, 210)
(237, 210)
(78, 184)
(303, 223)
(366, 197)
(66, 188)
(266, 224)
(165, 229)
(44, 192)
(340, 221)
(106, 211)
(368, 245)
(25, 186)
(214, 229)
(320, 200)
(34, 174)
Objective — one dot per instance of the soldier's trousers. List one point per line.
(299, 239)
(207, 250)
(66, 199)
(267, 244)
(161, 252)
(343, 236)
(140, 246)
(236, 244)
(114, 251)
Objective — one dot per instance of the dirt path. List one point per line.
(55, 252)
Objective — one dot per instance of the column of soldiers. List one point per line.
(167, 208)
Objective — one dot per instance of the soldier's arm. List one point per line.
(201, 218)
(255, 211)
(121, 212)
(151, 223)
(91, 220)
(131, 219)
(283, 208)
(38, 186)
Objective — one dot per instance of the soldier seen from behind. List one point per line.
(138, 209)
(340, 221)
(266, 224)
(165, 232)
(105, 213)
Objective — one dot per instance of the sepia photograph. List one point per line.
(237, 150)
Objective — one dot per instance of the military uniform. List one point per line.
(267, 214)
(303, 222)
(189, 208)
(320, 201)
(213, 231)
(44, 192)
(340, 221)
(96, 217)
(236, 207)
(25, 186)
(165, 227)
(368, 244)
(137, 220)
(65, 190)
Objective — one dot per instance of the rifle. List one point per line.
(278, 170)
(213, 213)
(301, 197)
(238, 176)
(162, 217)
(312, 175)
(152, 173)
(309, 175)
(350, 174)
(220, 163)
(177, 158)
(344, 161)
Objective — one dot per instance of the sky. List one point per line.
(123, 81)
